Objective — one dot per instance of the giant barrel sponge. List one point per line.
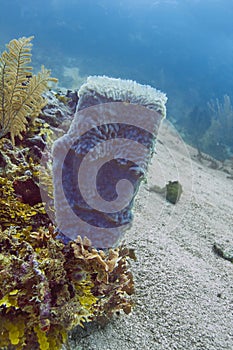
(99, 164)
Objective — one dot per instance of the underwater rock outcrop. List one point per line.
(99, 164)
(60, 107)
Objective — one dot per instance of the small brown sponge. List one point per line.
(173, 191)
(20, 90)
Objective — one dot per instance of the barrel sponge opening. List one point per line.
(102, 89)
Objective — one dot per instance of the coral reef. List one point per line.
(60, 107)
(46, 287)
(20, 90)
(20, 203)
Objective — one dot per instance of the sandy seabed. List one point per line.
(184, 291)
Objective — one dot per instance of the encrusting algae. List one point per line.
(48, 287)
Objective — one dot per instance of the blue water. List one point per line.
(183, 47)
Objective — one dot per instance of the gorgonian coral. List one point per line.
(20, 90)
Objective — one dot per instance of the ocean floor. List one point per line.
(184, 290)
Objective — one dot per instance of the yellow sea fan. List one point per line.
(20, 90)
